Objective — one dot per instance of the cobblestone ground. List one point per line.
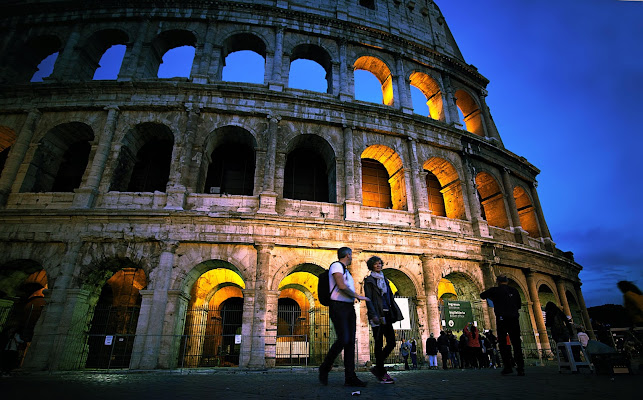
(542, 383)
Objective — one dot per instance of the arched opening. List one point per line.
(374, 191)
(22, 283)
(161, 45)
(311, 69)
(213, 318)
(526, 212)
(100, 50)
(444, 189)
(460, 303)
(23, 62)
(309, 173)
(430, 93)
(492, 201)
(304, 331)
(577, 316)
(244, 56)
(177, 62)
(471, 113)
(113, 324)
(60, 161)
(383, 74)
(7, 139)
(144, 159)
(530, 346)
(230, 162)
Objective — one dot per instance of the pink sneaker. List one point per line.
(386, 378)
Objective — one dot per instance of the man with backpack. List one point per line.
(342, 313)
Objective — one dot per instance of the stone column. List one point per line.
(352, 208)
(17, 155)
(276, 81)
(583, 308)
(538, 312)
(173, 326)
(85, 196)
(200, 71)
(132, 57)
(560, 287)
(422, 213)
(345, 90)
(480, 226)
(145, 354)
(182, 161)
(431, 279)
(520, 234)
(451, 108)
(489, 281)
(268, 197)
(262, 309)
(63, 69)
(50, 334)
(490, 126)
(403, 84)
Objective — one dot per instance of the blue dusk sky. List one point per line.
(566, 83)
(565, 91)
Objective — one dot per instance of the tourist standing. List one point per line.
(405, 351)
(342, 314)
(443, 346)
(506, 301)
(432, 351)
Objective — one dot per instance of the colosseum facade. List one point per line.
(151, 222)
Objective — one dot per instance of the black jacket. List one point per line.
(506, 300)
(375, 306)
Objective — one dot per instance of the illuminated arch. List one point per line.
(450, 187)
(491, 200)
(526, 212)
(431, 90)
(395, 169)
(381, 71)
(470, 111)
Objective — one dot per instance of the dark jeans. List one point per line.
(343, 316)
(511, 326)
(379, 333)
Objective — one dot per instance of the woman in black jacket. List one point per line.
(382, 313)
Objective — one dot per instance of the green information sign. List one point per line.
(457, 314)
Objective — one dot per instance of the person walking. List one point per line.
(506, 301)
(414, 354)
(492, 350)
(443, 346)
(473, 345)
(382, 313)
(556, 321)
(10, 356)
(432, 351)
(342, 314)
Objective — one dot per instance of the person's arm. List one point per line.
(341, 285)
(370, 307)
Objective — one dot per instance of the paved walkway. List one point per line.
(542, 383)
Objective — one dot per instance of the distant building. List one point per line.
(151, 222)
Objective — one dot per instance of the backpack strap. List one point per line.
(333, 289)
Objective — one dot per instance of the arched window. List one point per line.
(526, 212)
(60, 160)
(491, 200)
(376, 190)
(244, 56)
(310, 170)
(7, 139)
(447, 190)
(383, 74)
(22, 62)
(161, 45)
(311, 69)
(394, 172)
(471, 113)
(230, 162)
(436, 200)
(110, 63)
(177, 62)
(104, 48)
(431, 95)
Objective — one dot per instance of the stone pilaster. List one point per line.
(432, 276)
(352, 208)
(489, 281)
(538, 312)
(480, 226)
(173, 326)
(562, 294)
(85, 196)
(544, 229)
(17, 155)
(182, 161)
(276, 80)
(520, 234)
(64, 70)
(145, 354)
(403, 86)
(345, 89)
(268, 197)
(451, 109)
(422, 213)
(201, 65)
(132, 59)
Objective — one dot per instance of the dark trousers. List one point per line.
(343, 316)
(511, 326)
(379, 333)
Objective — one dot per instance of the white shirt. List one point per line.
(337, 294)
(583, 338)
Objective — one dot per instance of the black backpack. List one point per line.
(323, 287)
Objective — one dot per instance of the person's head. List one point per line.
(345, 255)
(551, 308)
(502, 280)
(431, 334)
(375, 264)
(627, 286)
(580, 329)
